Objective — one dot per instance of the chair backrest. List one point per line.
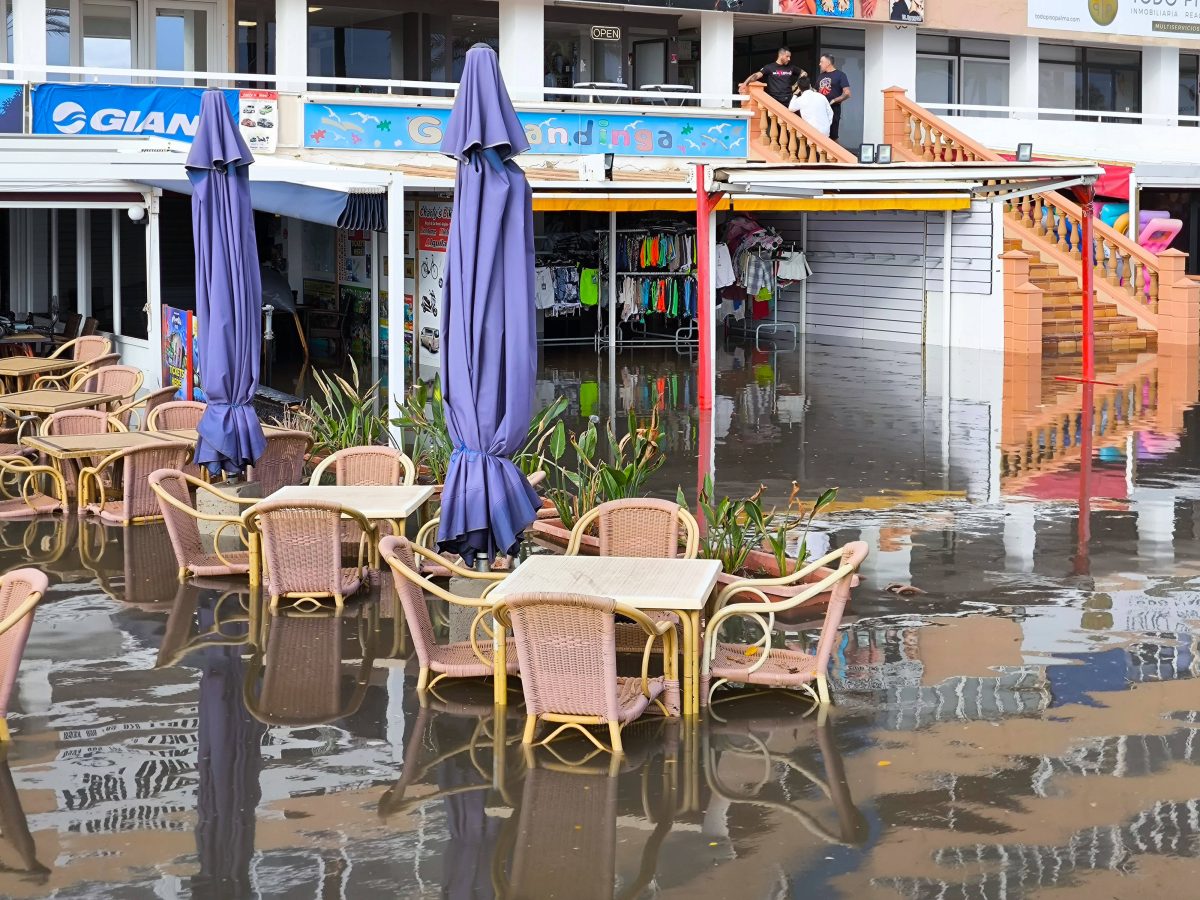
(88, 347)
(90, 325)
(76, 421)
(368, 466)
(174, 415)
(20, 590)
(301, 545)
(139, 463)
(123, 381)
(71, 325)
(302, 671)
(643, 528)
(398, 554)
(566, 644)
(184, 530)
(282, 462)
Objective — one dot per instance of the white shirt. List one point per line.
(814, 109)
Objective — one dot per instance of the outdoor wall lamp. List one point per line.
(1024, 152)
(866, 154)
(883, 154)
(136, 213)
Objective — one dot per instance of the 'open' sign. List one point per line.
(606, 33)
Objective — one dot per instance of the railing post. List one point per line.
(1178, 302)
(1022, 306)
(895, 122)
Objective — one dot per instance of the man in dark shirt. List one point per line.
(836, 87)
(779, 77)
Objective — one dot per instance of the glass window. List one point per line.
(976, 47)
(181, 39)
(561, 55)
(843, 37)
(254, 50)
(108, 30)
(353, 43)
(1056, 85)
(58, 38)
(937, 80)
(984, 83)
(133, 276)
(467, 31)
(100, 263)
(1189, 86)
(933, 43)
(1057, 53)
(68, 265)
(7, 49)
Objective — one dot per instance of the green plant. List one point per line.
(422, 414)
(732, 528)
(590, 480)
(343, 413)
(778, 536)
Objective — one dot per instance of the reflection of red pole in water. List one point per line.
(1084, 529)
(705, 452)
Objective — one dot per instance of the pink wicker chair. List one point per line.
(300, 546)
(175, 415)
(173, 488)
(153, 401)
(124, 381)
(20, 592)
(460, 659)
(132, 468)
(84, 349)
(566, 645)
(643, 528)
(22, 486)
(71, 378)
(75, 422)
(761, 663)
(367, 466)
(282, 462)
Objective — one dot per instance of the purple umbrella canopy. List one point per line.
(489, 349)
(228, 289)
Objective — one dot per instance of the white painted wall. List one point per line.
(1104, 141)
(1023, 65)
(1160, 85)
(522, 36)
(716, 54)
(291, 44)
(29, 39)
(891, 61)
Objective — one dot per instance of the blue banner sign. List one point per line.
(111, 109)
(346, 126)
(12, 108)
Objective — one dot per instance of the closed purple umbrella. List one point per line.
(489, 343)
(228, 289)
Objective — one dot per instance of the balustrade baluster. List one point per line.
(1152, 291)
(1137, 278)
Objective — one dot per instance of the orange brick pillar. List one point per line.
(895, 125)
(1022, 343)
(1178, 302)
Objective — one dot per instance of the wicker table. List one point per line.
(22, 369)
(44, 403)
(80, 446)
(679, 585)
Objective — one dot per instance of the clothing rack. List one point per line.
(639, 334)
(745, 327)
(570, 256)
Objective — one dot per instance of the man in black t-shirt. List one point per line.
(779, 77)
(836, 87)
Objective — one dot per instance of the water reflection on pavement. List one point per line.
(1027, 723)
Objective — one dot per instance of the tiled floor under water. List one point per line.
(1026, 727)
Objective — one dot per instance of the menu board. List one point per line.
(433, 233)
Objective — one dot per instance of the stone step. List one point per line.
(1071, 345)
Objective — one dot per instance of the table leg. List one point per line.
(689, 621)
(499, 665)
(255, 564)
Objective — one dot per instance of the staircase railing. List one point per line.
(1125, 271)
(782, 136)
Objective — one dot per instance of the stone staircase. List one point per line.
(1062, 308)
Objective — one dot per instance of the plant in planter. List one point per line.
(341, 414)
(422, 415)
(591, 480)
(779, 536)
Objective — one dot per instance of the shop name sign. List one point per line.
(606, 33)
(410, 128)
(107, 109)
(1134, 18)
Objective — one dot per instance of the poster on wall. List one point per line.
(356, 300)
(176, 349)
(12, 108)
(258, 119)
(433, 231)
(909, 12)
(1133, 18)
(197, 389)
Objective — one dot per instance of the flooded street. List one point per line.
(1025, 726)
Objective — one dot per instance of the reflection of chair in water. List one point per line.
(205, 614)
(762, 754)
(299, 657)
(144, 572)
(20, 591)
(15, 829)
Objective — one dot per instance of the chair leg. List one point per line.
(5, 737)
(823, 690)
(614, 735)
(422, 680)
(530, 727)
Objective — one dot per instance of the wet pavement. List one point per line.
(1027, 726)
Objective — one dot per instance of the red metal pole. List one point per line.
(704, 312)
(1084, 523)
(1086, 197)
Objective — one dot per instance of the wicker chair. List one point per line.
(175, 415)
(75, 422)
(173, 489)
(459, 659)
(153, 400)
(566, 645)
(123, 381)
(22, 485)
(367, 466)
(20, 592)
(282, 462)
(761, 663)
(68, 380)
(301, 551)
(137, 503)
(84, 348)
(298, 658)
(642, 528)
